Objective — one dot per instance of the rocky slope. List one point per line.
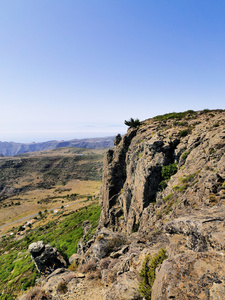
(163, 188)
(166, 179)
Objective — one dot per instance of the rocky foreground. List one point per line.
(163, 188)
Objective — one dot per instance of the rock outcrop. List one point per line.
(163, 187)
(132, 177)
(196, 276)
(46, 258)
(166, 180)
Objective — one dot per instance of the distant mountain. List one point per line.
(11, 148)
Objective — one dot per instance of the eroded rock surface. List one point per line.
(46, 258)
(146, 206)
(191, 276)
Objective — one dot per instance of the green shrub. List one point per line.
(168, 197)
(168, 171)
(162, 185)
(132, 123)
(184, 132)
(185, 155)
(147, 272)
(174, 115)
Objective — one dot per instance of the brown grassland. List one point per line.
(47, 180)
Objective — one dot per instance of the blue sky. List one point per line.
(79, 68)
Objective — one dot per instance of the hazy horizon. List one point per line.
(78, 69)
(39, 137)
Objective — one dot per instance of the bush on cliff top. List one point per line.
(132, 123)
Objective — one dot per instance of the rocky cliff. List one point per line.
(161, 232)
(166, 181)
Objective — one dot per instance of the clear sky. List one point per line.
(79, 68)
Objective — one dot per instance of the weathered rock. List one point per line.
(143, 211)
(86, 226)
(117, 140)
(191, 276)
(46, 258)
(203, 230)
(105, 243)
(114, 177)
(120, 252)
(133, 169)
(77, 258)
(126, 288)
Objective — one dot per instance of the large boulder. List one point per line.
(46, 258)
(107, 242)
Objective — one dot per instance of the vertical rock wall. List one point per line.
(133, 169)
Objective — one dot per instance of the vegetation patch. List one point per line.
(184, 132)
(186, 181)
(166, 173)
(17, 271)
(185, 155)
(189, 178)
(132, 123)
(168, 197)
(174, 115)
(147, 273)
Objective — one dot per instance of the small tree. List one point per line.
(132, 123)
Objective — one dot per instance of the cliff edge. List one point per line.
(161, 232)
(164, 187)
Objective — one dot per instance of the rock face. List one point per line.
(46, 258)
(166, 181)
(132, 177)
(163, 187)
(196, 276)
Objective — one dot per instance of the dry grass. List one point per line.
(47, 191)
(37, 293)
(29, 201)
(94, 275)
(88, 267)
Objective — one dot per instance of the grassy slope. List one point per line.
(63, 231)
(45, 180)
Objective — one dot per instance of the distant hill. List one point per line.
(11, 148)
